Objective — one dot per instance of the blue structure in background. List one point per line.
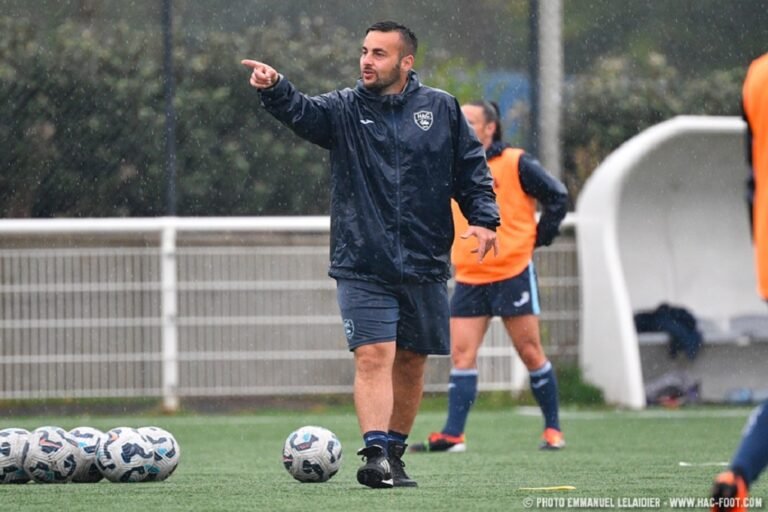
(512, 92)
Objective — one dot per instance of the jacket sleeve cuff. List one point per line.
(486, 225)
(274, 86)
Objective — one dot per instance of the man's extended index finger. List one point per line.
(253, 64)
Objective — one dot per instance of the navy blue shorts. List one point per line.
(515, 296)
(416, 316)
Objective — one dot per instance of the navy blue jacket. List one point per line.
(396, 161)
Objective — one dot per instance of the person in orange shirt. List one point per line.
(503, 285)
(730, 491)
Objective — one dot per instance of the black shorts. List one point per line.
(516, 296)
(414, 315)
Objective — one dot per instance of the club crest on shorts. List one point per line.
(349, 328)
(423, 119)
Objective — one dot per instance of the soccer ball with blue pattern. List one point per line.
(312, 454)
(87, 438)
(124, 455)
(167, 452)
(12, 442)
(49, 455)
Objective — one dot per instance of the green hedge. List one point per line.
(621, 97)
(82, 117)
(82, 121)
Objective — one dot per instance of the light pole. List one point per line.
(533, 76)
(546, 75)
(169, 86)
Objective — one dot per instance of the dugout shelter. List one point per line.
(664, 220)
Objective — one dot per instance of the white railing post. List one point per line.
(170, 339)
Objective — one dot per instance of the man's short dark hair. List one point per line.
(410, 43)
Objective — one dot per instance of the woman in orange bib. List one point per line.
(503, 284)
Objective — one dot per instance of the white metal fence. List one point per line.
(205, 307)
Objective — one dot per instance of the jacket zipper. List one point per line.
(397, 171)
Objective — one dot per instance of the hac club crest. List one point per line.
(423, 119)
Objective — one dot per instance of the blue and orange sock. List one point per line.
(462, 393)
(544, 388)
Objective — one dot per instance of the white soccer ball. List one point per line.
(87, 438)
(49, 455)
(312, 454)
(124, 455)
(12, 441)
(167, 452)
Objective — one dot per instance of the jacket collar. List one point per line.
(495, 149)
(394, 99)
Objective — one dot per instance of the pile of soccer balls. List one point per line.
(86, 455)
(312, 454)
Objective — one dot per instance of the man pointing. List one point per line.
(399, 152)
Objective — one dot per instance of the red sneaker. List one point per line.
(439, 442)
(552, 439)
(729, 493)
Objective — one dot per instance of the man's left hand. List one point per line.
(486, 239)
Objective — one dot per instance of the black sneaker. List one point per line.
(376, 472)
(399, 477)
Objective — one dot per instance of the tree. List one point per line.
(81, 106)
(81, 128)
(621, 97)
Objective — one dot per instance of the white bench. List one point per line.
(739, 330)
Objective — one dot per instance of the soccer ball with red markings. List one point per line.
(125, 455)
(312, 454)
(49, 456)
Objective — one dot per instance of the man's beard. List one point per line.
(382, 82)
